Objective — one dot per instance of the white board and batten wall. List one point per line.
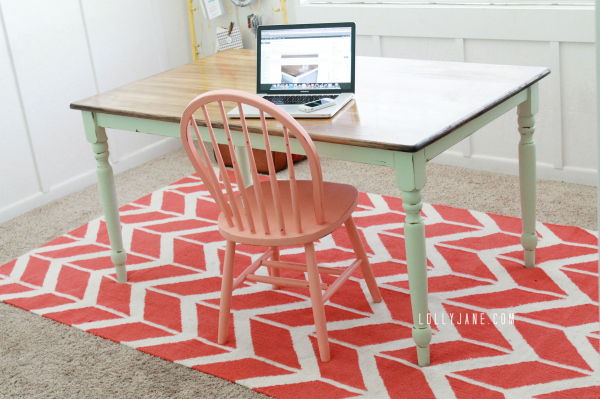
(55, 52)
(559, 37)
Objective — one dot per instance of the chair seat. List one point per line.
(339, 201)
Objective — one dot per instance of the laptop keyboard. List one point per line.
(290, 100)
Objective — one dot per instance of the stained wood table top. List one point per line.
(401, 105)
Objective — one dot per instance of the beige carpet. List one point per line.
(40, 358)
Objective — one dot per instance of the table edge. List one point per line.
(335, 140)
(474, 115)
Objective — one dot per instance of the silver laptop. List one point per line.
(297, 64)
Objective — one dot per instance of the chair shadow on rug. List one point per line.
(273, 213)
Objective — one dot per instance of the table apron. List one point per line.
(373, 156)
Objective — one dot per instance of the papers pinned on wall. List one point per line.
(226, 41)
(211, 8)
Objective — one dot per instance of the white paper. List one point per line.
(213, 8)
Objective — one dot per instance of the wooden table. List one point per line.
(405, 113)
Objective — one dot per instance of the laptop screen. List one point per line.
(317, 58)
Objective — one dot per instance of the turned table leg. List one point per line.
(410, 178)
(527, 173)
(416, 259)
(106, 182)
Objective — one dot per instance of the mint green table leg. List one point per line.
(106, 182)
(242, 156)
(527, 173)
(410, 178)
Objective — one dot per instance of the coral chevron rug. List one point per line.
(500, 330)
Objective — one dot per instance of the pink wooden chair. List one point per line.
(275, 213)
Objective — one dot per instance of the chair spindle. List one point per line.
(293, 185)
(236, 170)
(218, 194)
(255, 180)
(198, 163)
(223, 169)
(272, 175)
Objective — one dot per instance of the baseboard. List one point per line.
(545, 171)
(87, 178)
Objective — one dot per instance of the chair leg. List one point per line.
(365, 266)
(316, 297)
(273, 271)
(226, 291)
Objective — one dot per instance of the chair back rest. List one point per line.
(229, 207)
